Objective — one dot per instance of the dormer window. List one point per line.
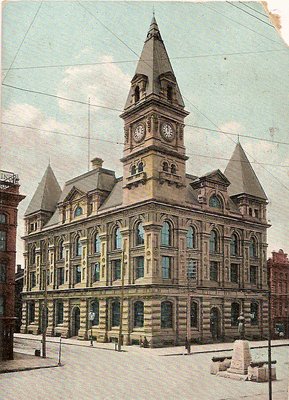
(170, 93)
(215, 202)
(136, 94)
(78, 211)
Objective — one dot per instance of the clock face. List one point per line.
(167, 132)
(139, 133)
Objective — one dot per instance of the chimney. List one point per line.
(96, 163)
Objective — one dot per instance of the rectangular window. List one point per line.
(116, 267)
(78, 274)
(2, 272)
(139, 267)
(213, 271)
(166, 267)
(59, 313)
(32, 279)
(253, 274)
(60, 276)
(234, 273)
(3, 236)
(192, 269)
(96, 272)
(2, 305)
(31, 312)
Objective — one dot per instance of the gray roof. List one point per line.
(242, 176)
(46, 195)
(154, 61)
(115, 197)
(97, 179)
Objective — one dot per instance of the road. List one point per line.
(135, 374)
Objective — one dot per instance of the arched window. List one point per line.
(138, 314)
(136, 94)
(173, 169)
(191, 238)
(253, 247)
(139, 234)
(59, 312)
(215, 202)
(60, 250)
(96, 243)
(165, 166)
(3, 218)
(234, 245)
(94, 307)
(96, 272)
(254, 311)
(194, 314)
(166, 314)
(78, 247)
(117, 239)
(235, 313)
(3, 240)
(115, 313)
(213, 242)
(78, 211)
(169, 93)
(140, 167)
(133, 170)
(166, 234)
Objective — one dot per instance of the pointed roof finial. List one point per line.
(238, 138)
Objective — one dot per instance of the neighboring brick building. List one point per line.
(156, 225)
(278, 266)
(19, 278)
(9, 200)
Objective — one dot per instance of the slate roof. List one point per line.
(154, 61)
(46, 195)
(242, 176)
(97, 179)
(115, 197)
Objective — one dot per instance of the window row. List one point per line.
(234, 273)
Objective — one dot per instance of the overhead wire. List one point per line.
(22, 41)
(254, 9)
(252, 15)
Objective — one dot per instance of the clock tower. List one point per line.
(154, 153)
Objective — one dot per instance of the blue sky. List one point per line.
(245, 93)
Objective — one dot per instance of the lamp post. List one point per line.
(91, 318)
(269, 334)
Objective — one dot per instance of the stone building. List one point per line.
(19, 278)
(168, 252)
(278, 266)
(9, 200)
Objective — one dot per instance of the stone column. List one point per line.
(51, 318)
(82, 333)
(23, 328)
(103, 323)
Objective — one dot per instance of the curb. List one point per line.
(19, 369)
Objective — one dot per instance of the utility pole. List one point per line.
(269, 335)
(121, 302)
(44, 310)
(88, 136)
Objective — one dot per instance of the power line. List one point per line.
(246, 5)
(17, 52)
(252, 15)
(238, 134)
(239, 23)
(122, 143)
(133, 61)
(60, 133)
(60, 97)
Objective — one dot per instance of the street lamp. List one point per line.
(91, 318)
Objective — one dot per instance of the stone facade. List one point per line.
(9, 200)
(278, 266)
(172, 254)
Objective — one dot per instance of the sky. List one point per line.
(231, 67)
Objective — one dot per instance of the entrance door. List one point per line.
(75, 321)
(215, 323)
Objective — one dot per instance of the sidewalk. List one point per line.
(164, 351)
(26, 362)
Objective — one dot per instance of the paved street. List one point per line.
(136, 373)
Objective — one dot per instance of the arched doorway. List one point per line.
(75, 321)
(215, 323)
(43, 319)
